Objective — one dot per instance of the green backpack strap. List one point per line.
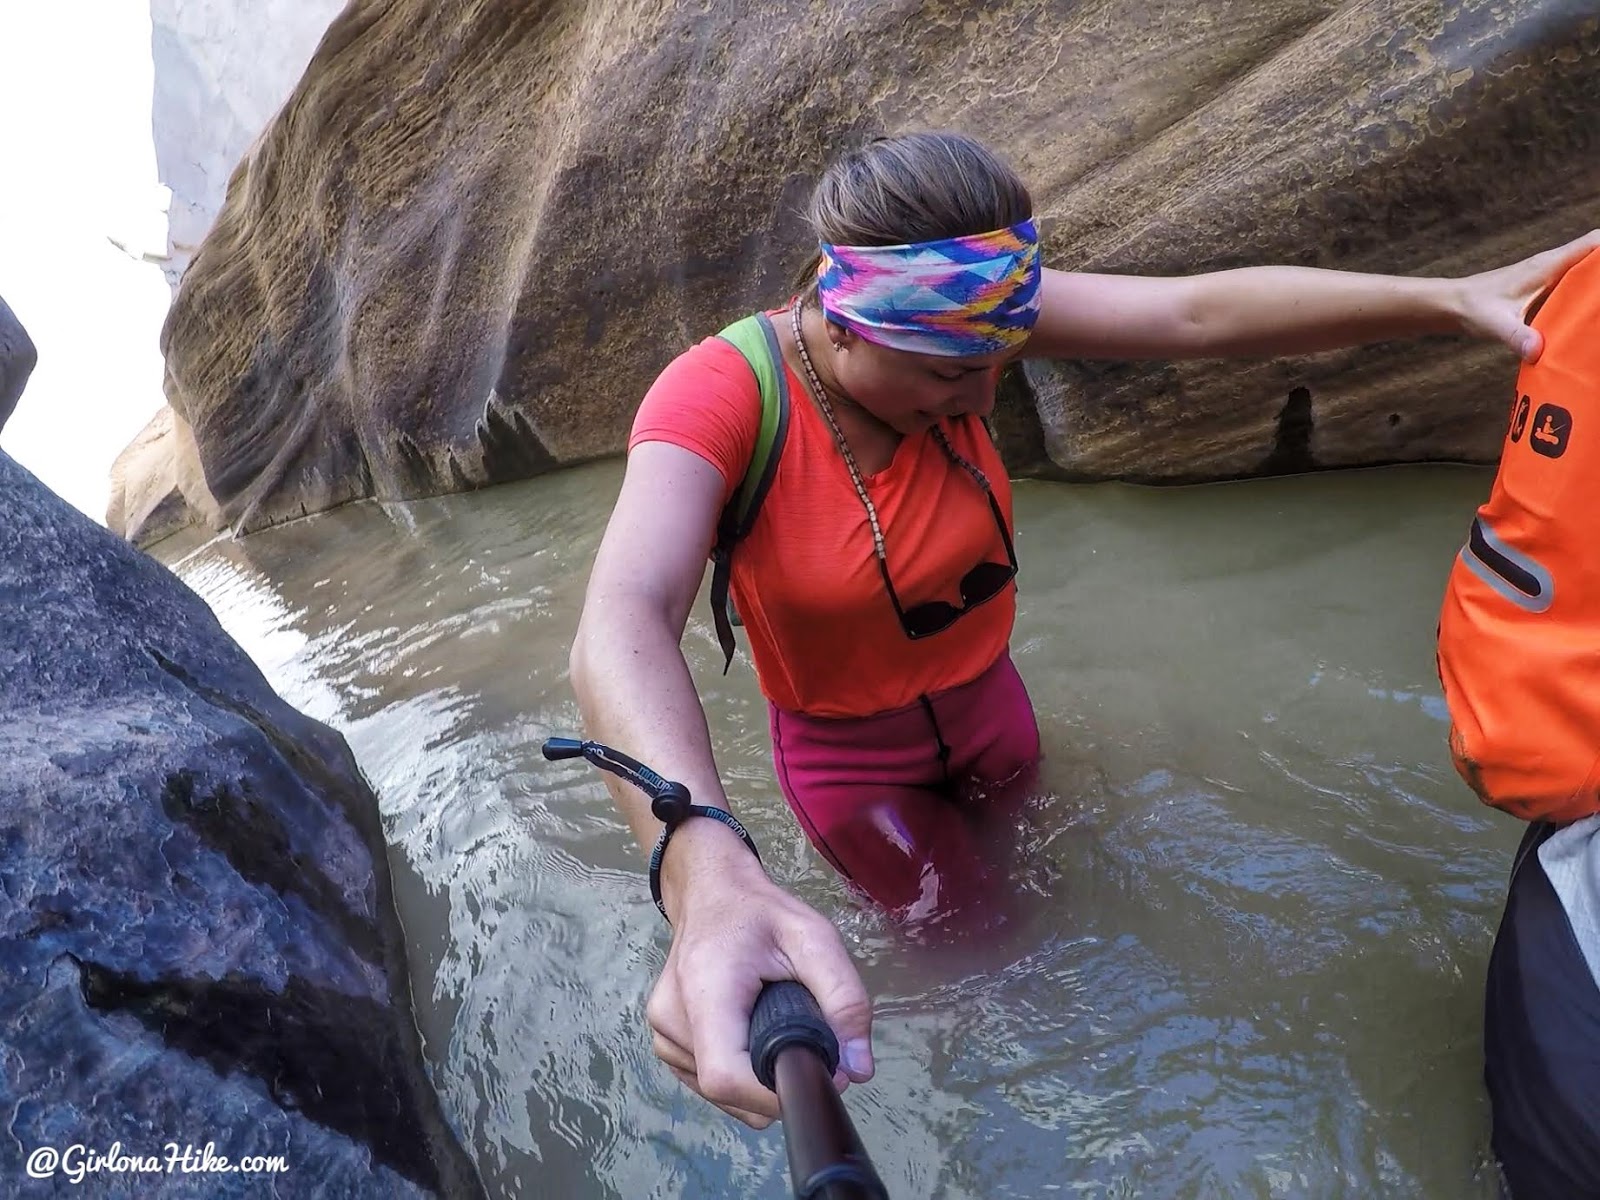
(754, 338)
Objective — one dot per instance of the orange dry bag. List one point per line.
(1519, 634)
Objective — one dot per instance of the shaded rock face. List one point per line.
(196, 926)
(145, 504)
(158, 486)
(222, 69)
(475, 233)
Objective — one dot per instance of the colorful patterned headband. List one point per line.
(957, 297)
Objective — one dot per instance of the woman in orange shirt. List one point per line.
(876, 585)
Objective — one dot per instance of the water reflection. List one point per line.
(1260, 902)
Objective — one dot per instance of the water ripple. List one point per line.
(1257, 902)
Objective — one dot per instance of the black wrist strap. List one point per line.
(693, 810)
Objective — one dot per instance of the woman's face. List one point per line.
(910, 392)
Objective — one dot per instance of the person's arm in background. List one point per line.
(1264, 311)
(732, 928)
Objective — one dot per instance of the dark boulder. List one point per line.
(17, 359)
(197, 934)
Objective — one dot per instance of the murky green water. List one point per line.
(1263, 900)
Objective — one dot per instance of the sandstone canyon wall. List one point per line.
(476, 230)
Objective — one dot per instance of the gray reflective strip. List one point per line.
(1533, 604)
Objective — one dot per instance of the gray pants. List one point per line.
(1542, 1018)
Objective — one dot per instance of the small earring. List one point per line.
(838, 348)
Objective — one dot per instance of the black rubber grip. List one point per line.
(556, 749)
(785, 1015)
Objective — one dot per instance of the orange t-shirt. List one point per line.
(823, 634)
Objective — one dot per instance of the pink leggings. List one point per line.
(895, 801)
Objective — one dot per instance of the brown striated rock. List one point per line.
(476, 231)
(222, 68)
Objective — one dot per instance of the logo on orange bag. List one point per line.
(1552, 426)
(1519, 418)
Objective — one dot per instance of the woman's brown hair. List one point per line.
(914, 187)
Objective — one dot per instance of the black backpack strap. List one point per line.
(755, 338)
